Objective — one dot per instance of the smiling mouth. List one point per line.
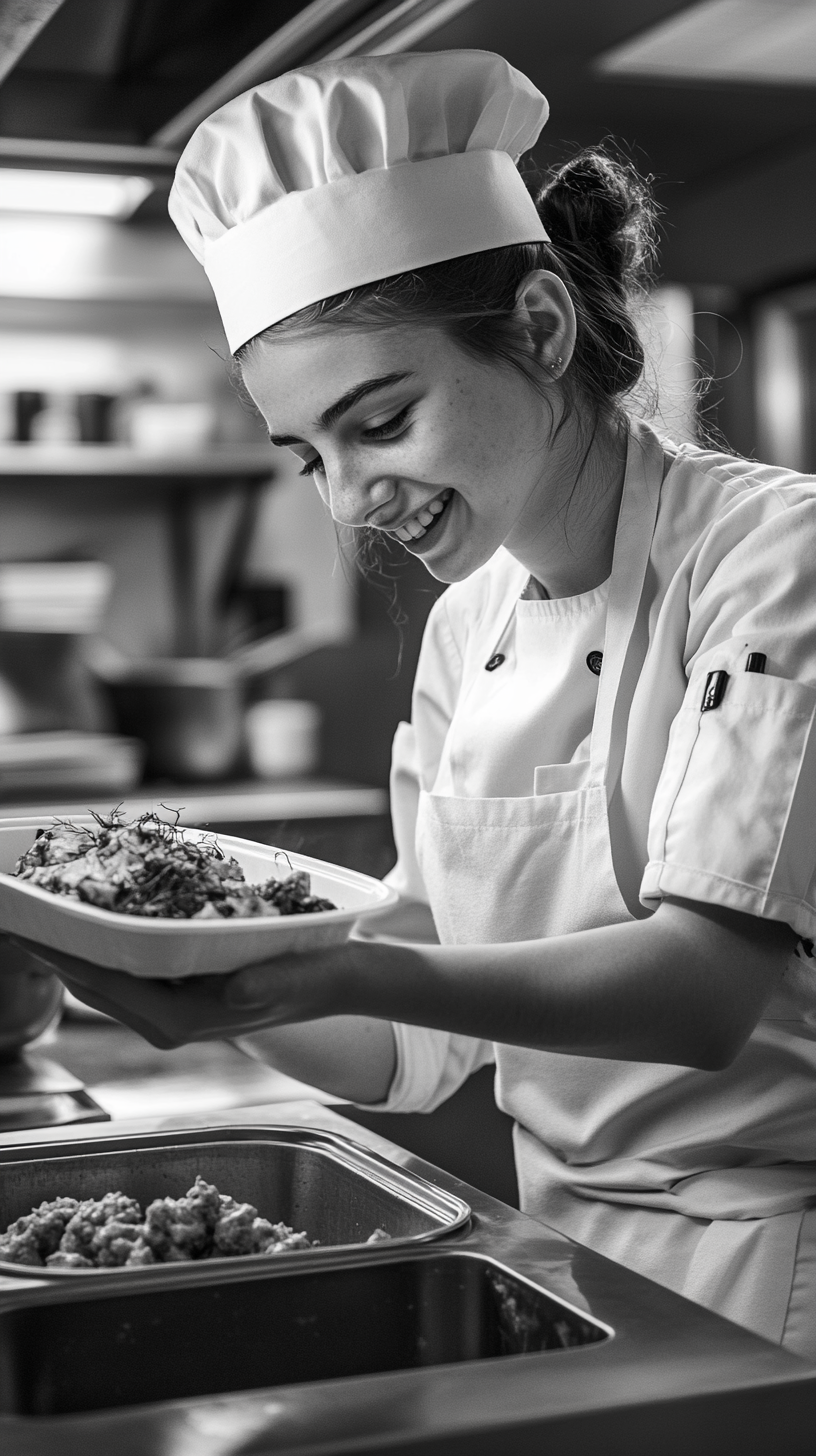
(424, 521)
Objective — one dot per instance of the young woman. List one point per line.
(605, 805)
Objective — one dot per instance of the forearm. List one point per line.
(685, 987)
(353, 1057)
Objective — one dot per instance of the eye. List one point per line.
(390, 428)
(312, 467)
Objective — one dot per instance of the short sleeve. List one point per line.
(733, 819)
(431, 1066)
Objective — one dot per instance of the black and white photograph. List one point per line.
(407, 727)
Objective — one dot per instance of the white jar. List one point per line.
(283, 737)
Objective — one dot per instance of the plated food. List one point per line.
(148, 867)
(138, 909)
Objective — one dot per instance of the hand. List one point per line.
(168, 1014)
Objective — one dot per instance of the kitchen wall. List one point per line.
(90, 306)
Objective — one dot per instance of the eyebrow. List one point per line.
(346, 402)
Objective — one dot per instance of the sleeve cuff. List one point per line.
(431, 1066)
(661, 879)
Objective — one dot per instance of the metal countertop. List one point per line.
(674, 1378)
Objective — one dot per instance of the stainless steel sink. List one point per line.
(88, 1350)
(494, 1339)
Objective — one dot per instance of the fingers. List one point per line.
(169, 1013)
(152, 1007)
(155, 1035)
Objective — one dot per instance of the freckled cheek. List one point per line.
(321, 485)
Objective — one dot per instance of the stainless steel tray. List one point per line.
(313, 1180)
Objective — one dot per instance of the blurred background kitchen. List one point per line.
(177, 625)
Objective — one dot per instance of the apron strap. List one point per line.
(630, 562)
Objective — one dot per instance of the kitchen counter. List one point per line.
(128, 1077)
(673, 1377)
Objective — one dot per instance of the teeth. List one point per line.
(415, 528)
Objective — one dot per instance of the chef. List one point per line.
(605, 803)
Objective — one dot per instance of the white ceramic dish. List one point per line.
(170, 949)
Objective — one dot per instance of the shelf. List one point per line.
(252, 801)
(216, 462)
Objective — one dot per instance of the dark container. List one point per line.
(187, 711)
(94, 416)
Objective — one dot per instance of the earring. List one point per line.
(555, 367)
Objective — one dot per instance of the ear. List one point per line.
(544, 307)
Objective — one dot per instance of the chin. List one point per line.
(458, 565)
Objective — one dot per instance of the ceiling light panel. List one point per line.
(90, 194)
(771, 42)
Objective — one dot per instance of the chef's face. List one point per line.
(403, 432)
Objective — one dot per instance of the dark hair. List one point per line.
(600, 218)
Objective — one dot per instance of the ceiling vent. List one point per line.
(770, 42)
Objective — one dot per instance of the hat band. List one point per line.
(368, 225)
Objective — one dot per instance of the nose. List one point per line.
(355, 499)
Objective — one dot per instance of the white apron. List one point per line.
(510, 869)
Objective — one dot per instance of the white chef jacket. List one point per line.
(727, 817)
(537, 699)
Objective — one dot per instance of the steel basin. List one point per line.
(324, 1183)
(90, 1348)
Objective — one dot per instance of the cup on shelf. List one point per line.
(159, 426)
(283, 738)
(186, 710)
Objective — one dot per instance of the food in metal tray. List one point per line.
(147, 867)
(112, 1232)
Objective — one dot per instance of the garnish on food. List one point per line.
(147, 867)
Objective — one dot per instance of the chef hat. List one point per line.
(349, 171)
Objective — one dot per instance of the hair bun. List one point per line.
(598, 206)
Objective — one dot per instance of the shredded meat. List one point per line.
(112, 1231)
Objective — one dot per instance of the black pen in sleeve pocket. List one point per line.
(714, 690)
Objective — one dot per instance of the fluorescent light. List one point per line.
(93, 194)
(768, 41)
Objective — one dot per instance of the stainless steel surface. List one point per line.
(36, 1093)
(130, 1078)
(30, 999)
(230, 1334)
(49, 1109)
(673, 1379)
(325, 1184)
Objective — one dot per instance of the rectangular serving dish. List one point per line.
(320, 1182)
(171, 949)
